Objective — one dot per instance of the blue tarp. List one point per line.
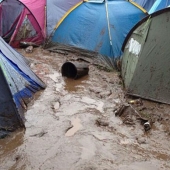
(158, 5)
(99, 27)
(18, 85)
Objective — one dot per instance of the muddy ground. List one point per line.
(71, 125)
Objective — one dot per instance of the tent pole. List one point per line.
(108, 22)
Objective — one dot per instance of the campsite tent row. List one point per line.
(95, 25)
(104, 31)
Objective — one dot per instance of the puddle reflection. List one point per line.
(11, 143)
(73, 85)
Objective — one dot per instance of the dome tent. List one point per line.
(18, 85)
(25, 21)
(146, 58)
(98, 26)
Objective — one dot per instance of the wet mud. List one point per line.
(71, 125)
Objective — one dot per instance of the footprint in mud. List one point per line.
(76, 125)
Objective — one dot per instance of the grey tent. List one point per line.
(18, 85)
(56, 11)
(146, 59)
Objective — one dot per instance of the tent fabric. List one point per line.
(8, 18)
(99, 27)
(145, 61)
(27, 29)
(38, 9)
(19, 84)
(158, 5)
(29, 18)
(146, 4)
(9, 119)
(56, 9)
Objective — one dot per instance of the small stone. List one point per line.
(56, 105)
(95, 90)
(105, 94)
(29, 49)
(100, 122)
(111, 81)
(141, 140)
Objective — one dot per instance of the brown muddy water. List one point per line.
(71, 125)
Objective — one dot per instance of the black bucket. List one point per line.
(74, 69)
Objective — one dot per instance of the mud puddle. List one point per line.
(71, 125)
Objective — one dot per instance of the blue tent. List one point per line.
(18, 85)
(99, 26)
(146, 4)
(158, 5)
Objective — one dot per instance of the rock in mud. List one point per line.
(141, 140)
(56, 106)
(105, 94)
(95, 90)
(101, 122)
(29, 49)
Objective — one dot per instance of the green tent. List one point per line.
(146, 58)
